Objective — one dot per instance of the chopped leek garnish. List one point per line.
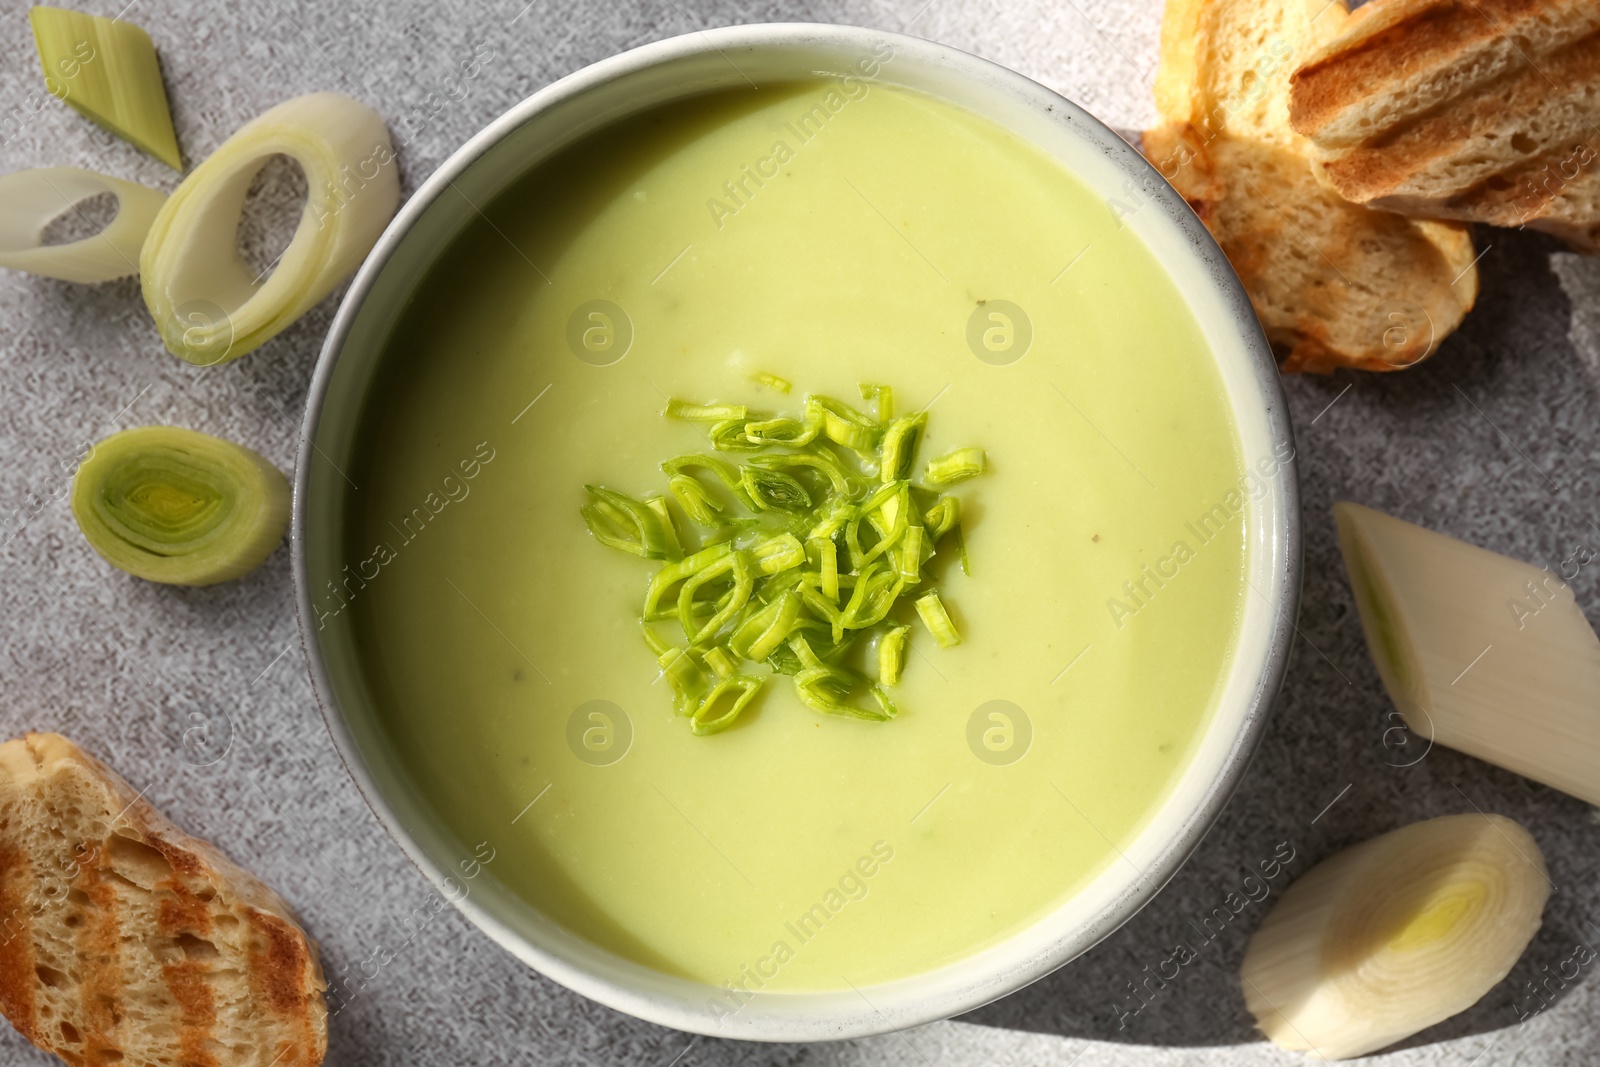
(774, 491)
(106, 69)
(942, 517)
(708, 718)
(772, 381)
(882, 397)
(801, 560)
(780, 432)
(178, 506)
(722, 665)
(899, 441)
(732, 435)
(958, 466)
(937, 620)
(210, 305)
(626, 524)
(692, 412)
(892, 655)
(843, 424)
(669, 529)
(692, 498)
(779, 554)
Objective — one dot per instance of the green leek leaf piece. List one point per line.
(692, 498)
(730, 436)
(831, 519)
(772, 381)
(779, 554)
(685, 677)
(727, 473)
(892, 655)
(958, 466)
(763, 632)
(911, 555)
(839, 479)
(858, 594)
(891, 519)
(828, 564)
(669, 529)
(773, 490)
(781, 432)
(942, 517)
(691, 412)
(621, 522)
(107, 70)
(721, 662)
(735, 565)
(825, 689)
(843, 424)
(899, 445)
(882, 397)
(804, 652)
(881, 596)
(177, 506)
(673, 573)
(937, 620)
(707, 719)
(658, 646)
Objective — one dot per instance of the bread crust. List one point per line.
(1335, 285)
(125, 940)
(1478, 110)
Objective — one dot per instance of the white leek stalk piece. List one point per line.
(107, 70)
(1400, 932)
(31, 199)
(179, 506)
(209, 305)
(1480, 652)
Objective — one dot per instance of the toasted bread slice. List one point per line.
(123, 940)
(1334, 284)
(1484, 110)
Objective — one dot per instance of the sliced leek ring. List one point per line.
(207, 302)
(1400, 932)
(32, 199)
(179, 506)
(1483, 653)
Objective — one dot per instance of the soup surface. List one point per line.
(830, 232)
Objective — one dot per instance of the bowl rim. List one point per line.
(1284, 551)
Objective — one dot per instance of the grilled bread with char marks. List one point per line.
(124, 941)
(1334, 284)
(1483, 110)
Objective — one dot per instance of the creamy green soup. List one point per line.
(830, 233)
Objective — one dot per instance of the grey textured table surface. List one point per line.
(1496, 440)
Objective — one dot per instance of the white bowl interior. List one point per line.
(697, 63)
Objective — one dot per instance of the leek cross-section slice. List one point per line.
(178, 506)
(210, 306)
(31, 199)
(1400, 932)
(107, 70)
(1480, 652)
